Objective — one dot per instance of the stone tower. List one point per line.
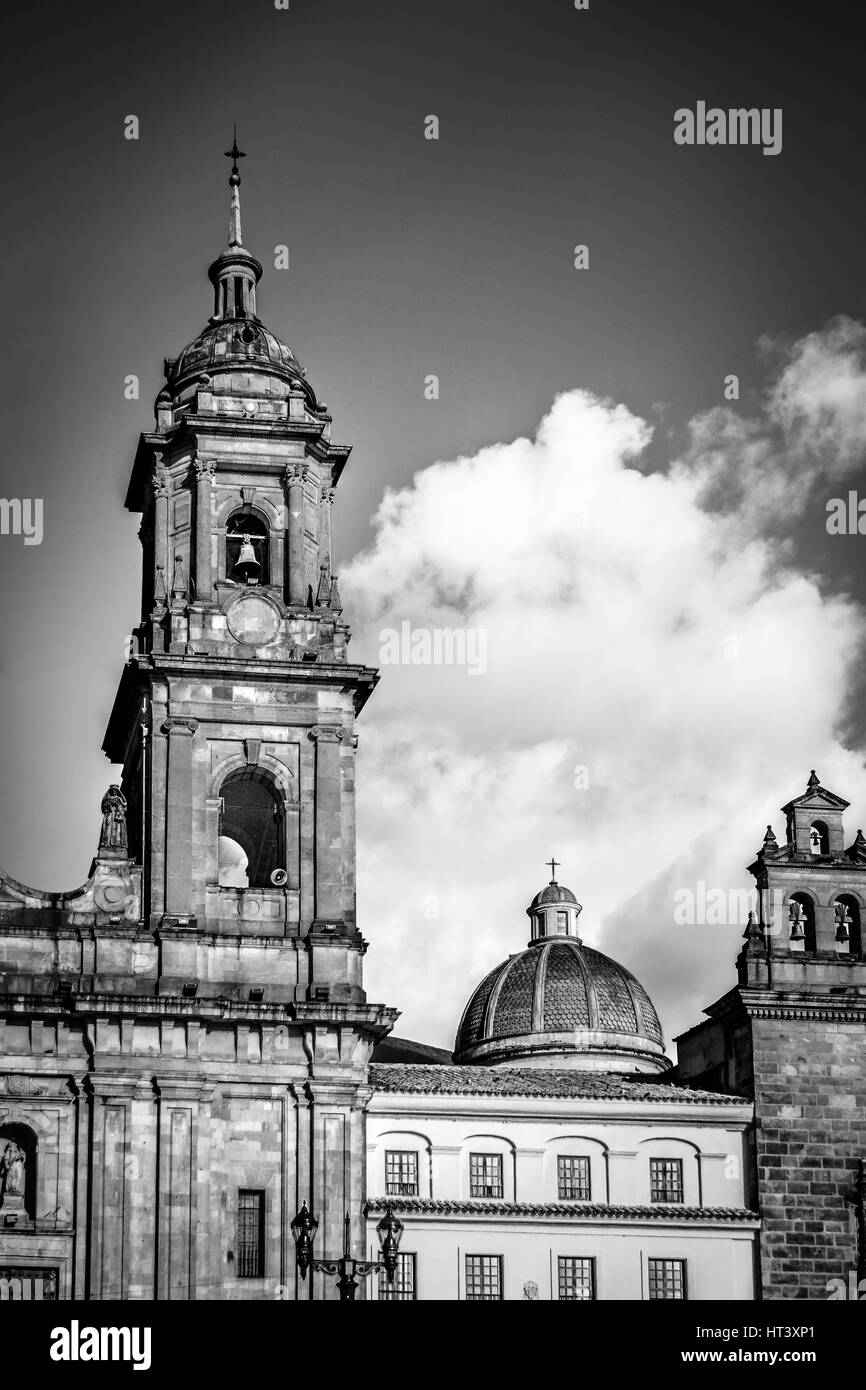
(792, 1033)
(186, 1038)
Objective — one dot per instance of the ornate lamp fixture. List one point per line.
(347, 1269)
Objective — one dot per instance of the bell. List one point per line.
(247, 567)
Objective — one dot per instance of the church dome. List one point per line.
(560, 1003)
(241, 344)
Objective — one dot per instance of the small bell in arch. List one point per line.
(247, 567)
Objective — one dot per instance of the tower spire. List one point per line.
(234, 154)
(235, 273)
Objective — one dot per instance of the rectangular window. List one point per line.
(666, 1180)
(485, 1175)
(403, 1287)
(239, 297)
(401, 1173)
(667, 1278)
(251, 1234)
(562, 923)
(573, 1178)
(483, 1277)
(576, 1277)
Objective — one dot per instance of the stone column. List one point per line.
(295, 478)
(178, 816)
(110, 1168)
(161, 579)
(177, 1222)
(329, 824)
(204, 474)
(326, 502)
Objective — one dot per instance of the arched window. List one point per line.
(801, 913)
(819, 838)
(252, 830)
(247, 549)
(18, 1146)
(848, 916)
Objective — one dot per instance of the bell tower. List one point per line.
(792, 1035)
(234, 723)
(235, 718)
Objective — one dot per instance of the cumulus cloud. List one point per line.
(811, 429)
(658, 678)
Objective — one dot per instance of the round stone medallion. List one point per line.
(252, 619)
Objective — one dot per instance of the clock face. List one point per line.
(253, 620)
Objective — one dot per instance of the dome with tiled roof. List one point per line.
(560, 1003)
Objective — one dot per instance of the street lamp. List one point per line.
(347, 1269)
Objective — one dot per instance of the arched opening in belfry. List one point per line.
(819, 837)
(848, 923)
(18, 1152)
(251, 830)
(801, 913)
(247, 548)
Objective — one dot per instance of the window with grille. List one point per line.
(485, 1175)
(483, 1277)
(401, 1173)
(251, 1235)
(403, 1287)
(667, 1278)
(576, 1277)
(666, 1180)
(573, 1178)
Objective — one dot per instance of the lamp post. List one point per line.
(347, 1269)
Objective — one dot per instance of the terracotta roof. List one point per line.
(534, 1081)
(659, 1211)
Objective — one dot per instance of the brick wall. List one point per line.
(811, 1132)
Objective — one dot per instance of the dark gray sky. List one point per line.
(408, 257)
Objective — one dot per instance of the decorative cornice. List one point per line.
(565, 1211)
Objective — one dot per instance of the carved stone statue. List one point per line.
(12, 1172)
(113, 833)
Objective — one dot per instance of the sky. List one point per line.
(671, 637)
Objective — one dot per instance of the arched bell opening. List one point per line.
(801, 917)
(247, 548)
(252, 830)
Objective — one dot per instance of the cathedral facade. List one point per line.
(187, 1053)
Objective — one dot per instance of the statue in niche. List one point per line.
(12, 1172)
(113, 833)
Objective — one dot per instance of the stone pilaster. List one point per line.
(204, 475)
(329, 851)
(325, 504)
(178, 819)
(295, 479)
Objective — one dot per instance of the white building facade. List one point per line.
(563, 1163)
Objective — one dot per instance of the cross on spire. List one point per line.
(553, 868)
(234, 154)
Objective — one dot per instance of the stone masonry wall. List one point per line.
(811, 1132)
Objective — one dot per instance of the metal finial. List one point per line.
(234, 154)
(553, 868)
